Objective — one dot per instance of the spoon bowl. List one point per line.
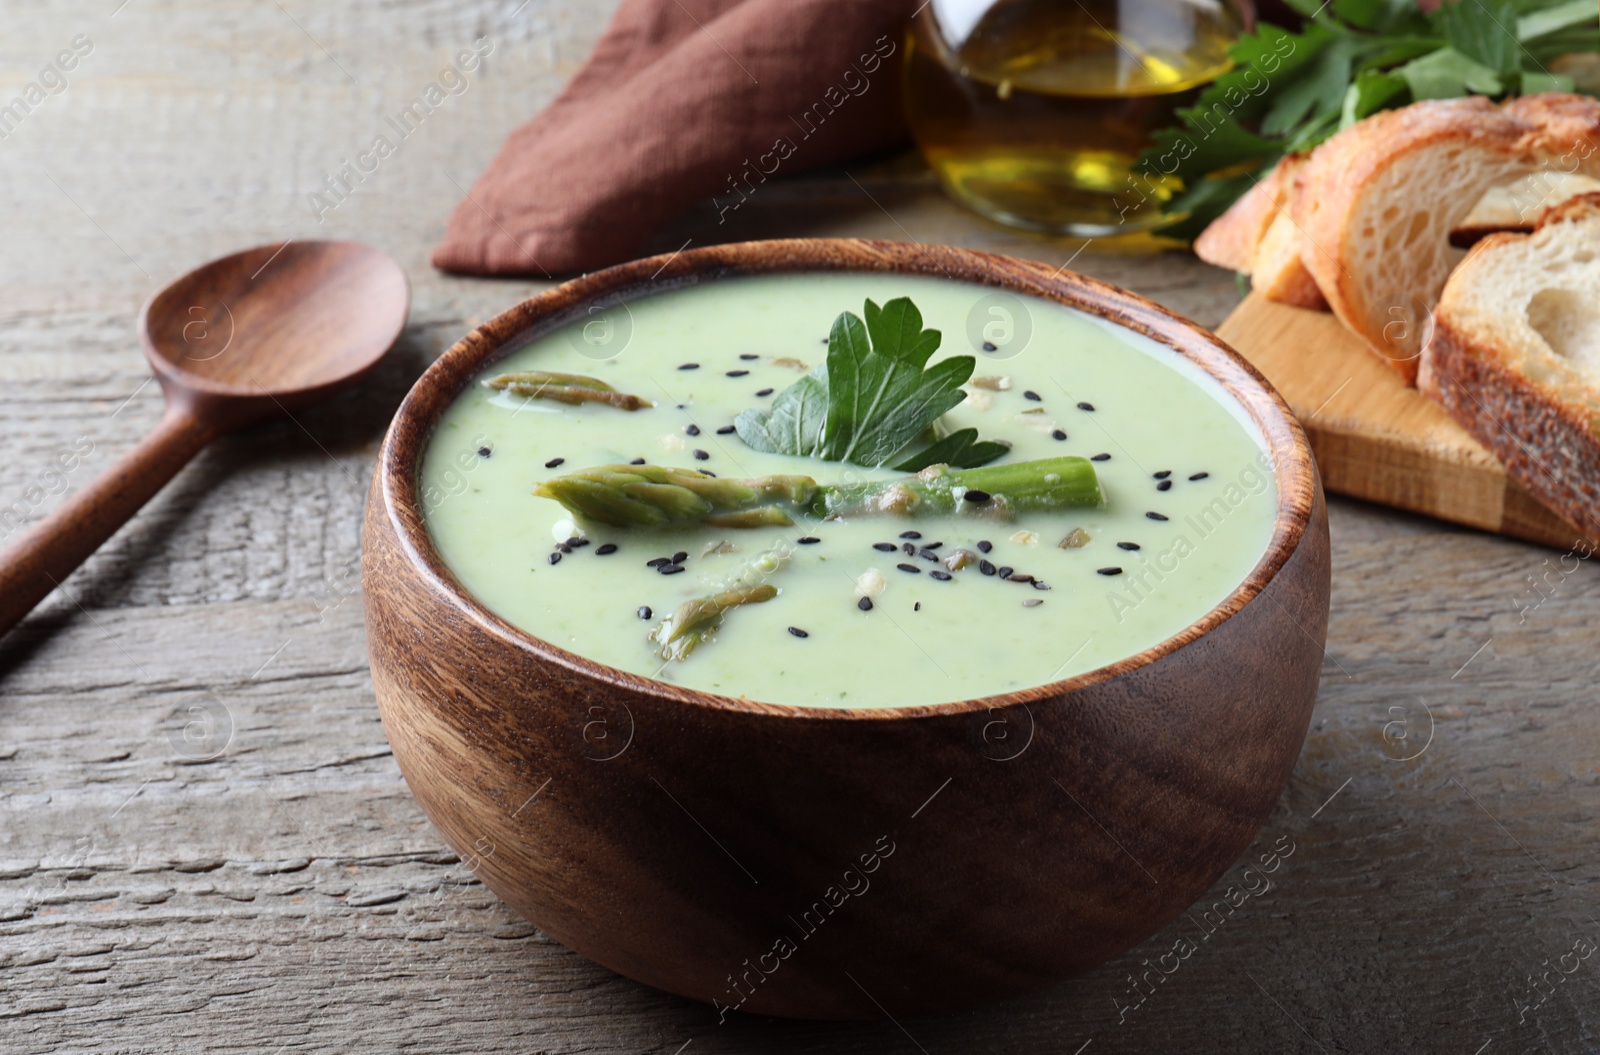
(274, 329)
(233, 343)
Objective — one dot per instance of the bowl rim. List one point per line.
(399, 460)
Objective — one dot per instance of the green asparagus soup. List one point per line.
(593, 489)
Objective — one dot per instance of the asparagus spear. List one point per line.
(656, 496)
(994, 490)
(679, 633)
(564, 388)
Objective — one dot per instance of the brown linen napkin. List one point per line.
(682, 101)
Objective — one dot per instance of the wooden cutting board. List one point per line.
(1376, 439)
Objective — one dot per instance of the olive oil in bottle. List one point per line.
(1034, 112)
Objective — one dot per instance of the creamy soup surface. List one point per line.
(1188, 512)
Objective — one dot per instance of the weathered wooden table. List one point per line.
(204, 842)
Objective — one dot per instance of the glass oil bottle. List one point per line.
(1034, 112)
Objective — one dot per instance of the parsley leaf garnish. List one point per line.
(1288, 91)
(875, 401)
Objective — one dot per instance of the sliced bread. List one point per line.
(1231, 239)
(1377, 203)
(1279, 273)
(1258, 237)
(1520, 205)
(1515, 356)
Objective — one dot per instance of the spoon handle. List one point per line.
(43, 558)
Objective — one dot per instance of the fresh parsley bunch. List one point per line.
(875, 401)
(1288, 91)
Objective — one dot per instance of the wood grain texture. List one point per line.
(1377, 438)
(152, 902)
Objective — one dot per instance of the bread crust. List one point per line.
(1566, 129)
(1332, 186)
(1468, 235)
(1584, 206)
(1545, 444)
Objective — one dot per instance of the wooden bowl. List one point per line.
(843, 863)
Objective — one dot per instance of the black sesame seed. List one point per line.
(555, 558)
(912, 568)
(692, 430)
(797, 632)
(1100, 457)
(932, 545)
(884, 547)
(1040, 584)
(1164, 485)
(1156, 516)
(726, 430)
(984, 546)
(910, 534)
(927, 554)
(1108, 571)
(977, 496)
(1018, 576)
(988, 346)
(738, 373)
(671, 569)
(656, 562)
(700, 455)
(637, 461)
(763, 392)
(865, 604)
(749, 356)
(1086, 406)
(562, 547)
(577, 543)
(605, 549)
(484, 452)
(808, 540)
(824, 340)
(1199, 476)
(1162, 475)
(708, 472)
(1130, 546)
(1005, 572)
(689, 366)
(553, 462)
(1057, 434)
(644, 611)
(909, 549)
(680, 556)
(942, 576)
(985, 567)
(917, 607)
(1030, 394)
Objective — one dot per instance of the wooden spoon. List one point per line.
(250, 337)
